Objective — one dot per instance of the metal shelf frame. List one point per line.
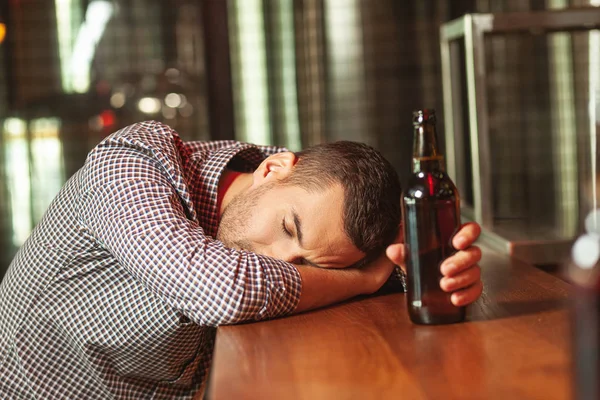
(472, 29)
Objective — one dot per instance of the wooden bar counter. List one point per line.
(515, 345)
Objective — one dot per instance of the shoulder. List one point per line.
(146, 150)
(143, 135)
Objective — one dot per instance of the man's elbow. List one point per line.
(230, 313)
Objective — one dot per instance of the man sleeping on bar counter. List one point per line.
(154, 242)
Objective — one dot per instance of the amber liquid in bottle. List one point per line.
(431, 215)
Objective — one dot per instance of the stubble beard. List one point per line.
(234, 222)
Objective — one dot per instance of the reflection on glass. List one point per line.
(287, 70)
(96, 17)
(68, 20)
(47, 170)
(564, 136)
(34, 170)
(250, 76)
(17, 173)
(78, 40)
(346, 74)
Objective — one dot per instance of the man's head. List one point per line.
(331, 205)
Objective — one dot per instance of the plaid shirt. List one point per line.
(117, 293)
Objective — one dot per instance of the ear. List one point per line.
(274, 168)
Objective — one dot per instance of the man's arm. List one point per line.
(461, 274)
(321, 286)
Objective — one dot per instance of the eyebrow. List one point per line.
(298, 224)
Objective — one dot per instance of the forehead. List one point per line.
(321, 215)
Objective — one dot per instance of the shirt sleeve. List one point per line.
(398, 275)
(144, 226)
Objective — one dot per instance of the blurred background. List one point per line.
(290, 73)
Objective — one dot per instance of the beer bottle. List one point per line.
(431, 215)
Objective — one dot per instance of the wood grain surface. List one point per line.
(515, 345)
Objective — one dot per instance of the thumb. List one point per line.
(396, 253)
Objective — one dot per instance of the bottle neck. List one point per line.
(424, 164)
(426, 155)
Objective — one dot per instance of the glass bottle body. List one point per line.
(431, 215)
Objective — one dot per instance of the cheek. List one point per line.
(261, 226)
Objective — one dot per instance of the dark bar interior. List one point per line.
(515, 87)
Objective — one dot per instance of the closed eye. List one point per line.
(285, 229)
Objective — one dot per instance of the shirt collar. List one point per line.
(204, 169)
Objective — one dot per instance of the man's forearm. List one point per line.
(321, 287)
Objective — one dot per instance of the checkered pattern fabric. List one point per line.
(117, 293)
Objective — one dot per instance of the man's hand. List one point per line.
(461, 274)
(377, 272)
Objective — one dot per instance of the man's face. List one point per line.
(289, 223)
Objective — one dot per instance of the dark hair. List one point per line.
(371, 190)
